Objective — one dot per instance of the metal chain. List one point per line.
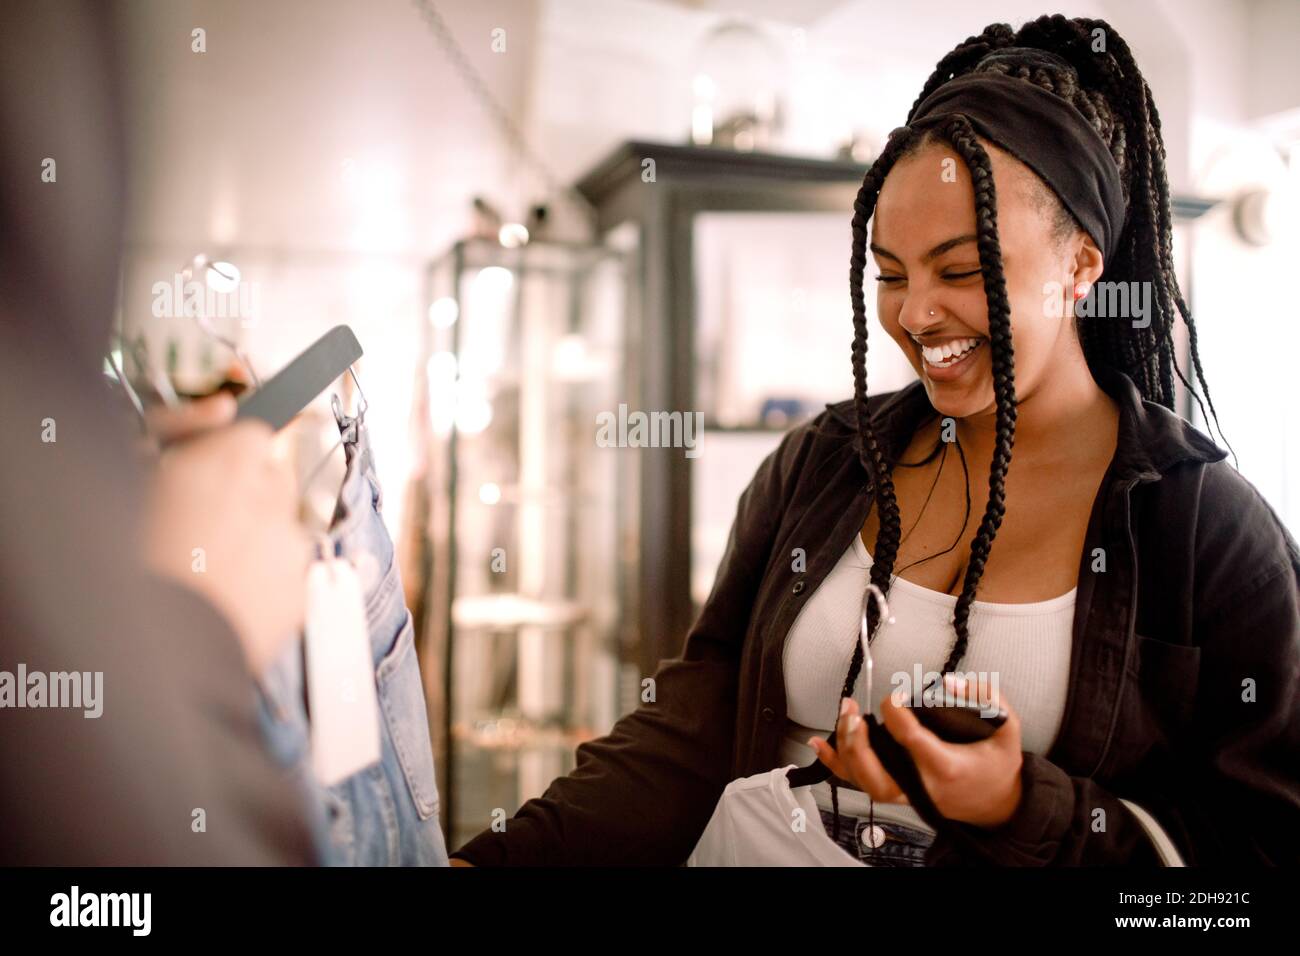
(461, 63)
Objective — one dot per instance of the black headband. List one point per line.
(1045, 132)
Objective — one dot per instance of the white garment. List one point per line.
(1026, 647)
(760, 821)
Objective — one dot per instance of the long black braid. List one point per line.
(962, 136)
(1103, 81)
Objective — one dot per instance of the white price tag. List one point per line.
(340, 677)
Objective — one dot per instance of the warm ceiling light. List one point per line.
(444, 312)
(513, 235)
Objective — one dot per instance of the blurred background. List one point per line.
(533, 212)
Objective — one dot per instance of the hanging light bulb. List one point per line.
(444, 312)
(513, 235)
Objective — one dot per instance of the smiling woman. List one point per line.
(1054, 140)
(1038, 167)
(1138, 616)
(933, 295)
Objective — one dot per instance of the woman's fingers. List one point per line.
(169, 425)
(925, 747)
(827, 755)
(990, 699)
(863, 766)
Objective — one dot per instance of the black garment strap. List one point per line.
(1045, 132)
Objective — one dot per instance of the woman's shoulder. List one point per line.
(822, 446)
(1202, 501)
(808, 449)
(1233, 509)
(831, 430)
(1239, 542)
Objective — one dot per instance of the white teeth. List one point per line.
(949, 350)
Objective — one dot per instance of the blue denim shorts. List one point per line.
(903, 845)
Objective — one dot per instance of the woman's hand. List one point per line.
(169, 425)
(975, 783)
(222, 521)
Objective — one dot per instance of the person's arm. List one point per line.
(1232, 795)
(163, 762)
(643, 793)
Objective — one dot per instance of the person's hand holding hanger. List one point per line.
(976, 783)
(222, 522)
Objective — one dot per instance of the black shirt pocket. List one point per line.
(1160, 693)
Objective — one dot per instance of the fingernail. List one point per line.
(221, 403)
(853, 723)
(844, 705)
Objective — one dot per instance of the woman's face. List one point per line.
(930, 291)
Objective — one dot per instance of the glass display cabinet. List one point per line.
(521, 612)
(739, 269)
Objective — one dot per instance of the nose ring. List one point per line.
(932, 311)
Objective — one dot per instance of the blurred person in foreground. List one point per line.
(96, 554)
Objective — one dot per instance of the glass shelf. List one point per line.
(523, 615)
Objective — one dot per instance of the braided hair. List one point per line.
(1103, 82)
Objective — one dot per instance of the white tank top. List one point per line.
(1024, 647)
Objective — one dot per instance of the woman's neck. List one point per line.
(1063, 418)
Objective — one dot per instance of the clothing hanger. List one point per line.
(119, 348)
(816, 772)
(297, 385)
(279, 400)
(127, 389)
(285, 395)
(149, 371)
(299, 382)
(199, 265)
(337, 408)
(893, 756)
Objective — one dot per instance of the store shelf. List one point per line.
(504, 611)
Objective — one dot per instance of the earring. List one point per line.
(1080, 290)
(932, 311)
